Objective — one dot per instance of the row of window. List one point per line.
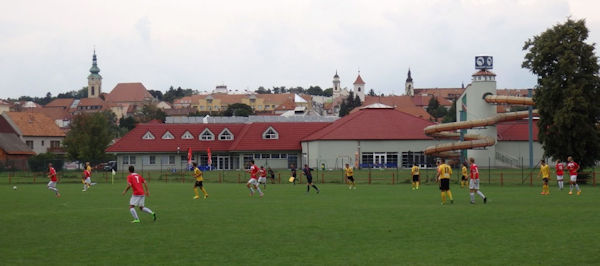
(208, 135)
(53, 143)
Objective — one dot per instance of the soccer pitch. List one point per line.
(372, 225)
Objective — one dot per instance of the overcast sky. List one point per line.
(46, 46)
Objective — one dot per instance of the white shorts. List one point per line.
(52, 184)
(88, 180)
(262, 180)
(474, 184)
(137, 200)
(253, 182)
(559, 178)
(574, 178)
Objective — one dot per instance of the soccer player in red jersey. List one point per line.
(138, 184)
(253, 182)
(86, 180)
(474, 182)
(53, 180)
(560, 169)
(573, 167)
(262, 177)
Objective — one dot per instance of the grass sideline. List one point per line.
(375, 224)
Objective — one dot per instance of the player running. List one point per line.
(465, 173)
(560, 168)
(443, 176)
(545, 173)
(573, 167)
(253, 182)
(414, 171)
(85, 179)
(53, 180)
(307, 172)
(199, 179)
(349, 173)
(294, 173)
(262, 177)
(138, 184)
(474, 182)
(89, 168)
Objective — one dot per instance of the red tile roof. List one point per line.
(35, 124)
(401, 103)
(247, 137)
(374, 124)
(60, 102)
(359, 80)
(484, 73)
(516, 130)
(129, 92)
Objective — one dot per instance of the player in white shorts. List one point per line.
(253, 182)
(474, 182)
(560, 169)
(573, 167)
(262, 177)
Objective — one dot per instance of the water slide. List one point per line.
(472, 141)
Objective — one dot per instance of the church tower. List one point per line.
(409, 89)
(359, 87)
(94, 79)
(337, 89)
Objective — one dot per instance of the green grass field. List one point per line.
(373, 225)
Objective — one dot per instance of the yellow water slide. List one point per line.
(471, 141)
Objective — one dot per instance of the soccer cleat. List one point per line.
(578, 192)
(485, 200)
(57, 195)
(136, 221)
(84, 190)
(413, 188)
(196, 197)
(205, 196)
(570, 192)
(154, 216)
(417, 188)
(451, 201)
(472, 202)
(262, 194)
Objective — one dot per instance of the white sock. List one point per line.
(480, 194)
(134, 213)
(251, 190)
(53, 188)
(472, 196)
(560, 184)
(84, 186)
(259, 191)
(571, 190)
(146, 210)
(577, 187)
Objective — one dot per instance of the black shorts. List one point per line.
(415, 178)
(198, 184)
(464, 178)
(309, 180)
(545, 179)
(444, 184)
(351, 178)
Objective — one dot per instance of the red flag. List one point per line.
(189, 156)
(209, 156)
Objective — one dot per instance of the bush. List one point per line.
(39, 163)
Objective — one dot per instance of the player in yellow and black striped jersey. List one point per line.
(444, 174)
(414, 171)
(545, 173)
(463, 180)
(349, 172)
(198, 184)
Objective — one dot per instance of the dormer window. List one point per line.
(167, 135)
(206, 135)
(270, 133)
(187, 135)
(148, 136)
(226, 135)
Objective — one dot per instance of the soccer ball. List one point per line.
(15, 187)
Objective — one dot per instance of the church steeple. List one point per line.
(94, 79)
(408, 86)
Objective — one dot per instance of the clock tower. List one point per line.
(94, 79)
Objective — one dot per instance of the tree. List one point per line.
(314, 90)
(262, 90)
(89, 136)
(371, 92)
(567, 89)
(127, 122)
(451, 114)
(349, 104)
(156, 94)
(238, 109)
(435, 109)
(328, 92)
(151, 112)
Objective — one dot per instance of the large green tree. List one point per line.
(89, 136)
(567, 91)
(238, 109)
(435, 109)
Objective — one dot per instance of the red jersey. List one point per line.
(136, 182)
(86, 173)
(52, 173)
(573, 167)
(560, 169)
(253, 171)
(262, 173)
(474, 171)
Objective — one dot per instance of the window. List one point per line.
(207, 135)
(55, 144)
(283, 156)
(29, 143)
(265, 156)
(43, 143)
(129, 159)
(168, 135)
(201, 107)
(247, 158)
(408, 158)
(187, 135)
(148, 136)
(275, 156)
(367, 159)
(260, 107)
(257, 156)
(152, 159)
(225, 135)
(171, 159)
(184, 158)
(270, 133)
